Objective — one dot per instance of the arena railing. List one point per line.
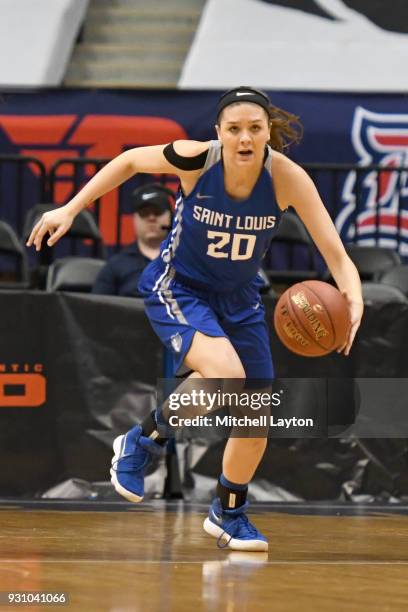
(28, 182)
(370, 187)
(81, 170)
(330, 180)
(23, 183)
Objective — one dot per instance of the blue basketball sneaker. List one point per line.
(233, 529)
(133, 453)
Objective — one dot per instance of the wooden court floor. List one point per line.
(156, 557)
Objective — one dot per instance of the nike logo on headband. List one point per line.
(149, 196)
(245, 93)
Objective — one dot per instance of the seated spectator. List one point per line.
(152, 219)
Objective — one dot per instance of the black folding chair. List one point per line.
(397, 277)
(11, 246)
(84, 227)
(291, 236)
(379, 293)
(75, 274)
(372, 261)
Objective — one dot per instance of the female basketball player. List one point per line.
(201, 294)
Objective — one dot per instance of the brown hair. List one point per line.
(285, 129)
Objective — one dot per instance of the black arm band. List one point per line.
(184, 163)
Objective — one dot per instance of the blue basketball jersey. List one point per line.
(216, 241)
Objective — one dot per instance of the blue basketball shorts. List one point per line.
(176, 311)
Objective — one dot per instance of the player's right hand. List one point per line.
(55, 223)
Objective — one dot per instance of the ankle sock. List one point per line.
(232, 495)
(150, 429)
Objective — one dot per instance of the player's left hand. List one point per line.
(356, 312)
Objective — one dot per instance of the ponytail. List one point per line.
(285, 129)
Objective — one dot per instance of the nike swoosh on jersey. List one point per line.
(203, 197)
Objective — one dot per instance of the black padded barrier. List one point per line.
(77, 370)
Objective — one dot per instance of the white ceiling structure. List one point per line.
(265, 44)
(36, 40)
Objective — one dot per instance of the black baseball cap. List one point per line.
(152, 195)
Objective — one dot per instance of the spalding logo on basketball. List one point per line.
(312, 318)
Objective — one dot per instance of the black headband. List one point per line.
(243, 94)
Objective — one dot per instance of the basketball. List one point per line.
(312, 318)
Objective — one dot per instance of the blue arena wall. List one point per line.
(328, 118)
(360, 130)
